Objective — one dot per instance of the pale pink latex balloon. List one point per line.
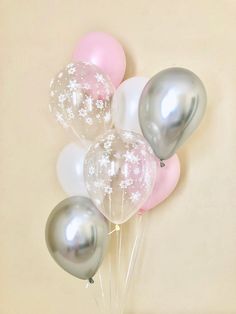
(166, 181)
(104, 51)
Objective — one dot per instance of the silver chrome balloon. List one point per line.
(171, 107)
(77, 236)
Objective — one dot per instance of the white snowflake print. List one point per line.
(70, 113)
(107, 189)
(99, 78)
(136, 171)
(91, 170)
(52, 93)
(128, 135)
(61, 105)
(98, 116)
(107, 145)
(59, 117)
(107, 117)
(60, 75)
(135, 197)
(111, 137)
(104, 161)
(99, 184)
(125, 183)
(130, 157)
(70, 65)
(89, 102)
(61, 98)
(99, 104)
(89, 121)
(72, 70)
(73, 85)
(82, 113)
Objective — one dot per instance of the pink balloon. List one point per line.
(104, 51)
(166, 181)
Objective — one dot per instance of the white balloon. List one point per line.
(70, 169)
(125, 104)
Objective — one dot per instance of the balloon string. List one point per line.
(89, 284)
(102, 291)
(134, 254)
(110, 279)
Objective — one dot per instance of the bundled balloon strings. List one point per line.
(124, 165)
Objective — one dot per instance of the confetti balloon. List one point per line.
(80, 99)
(119, 171)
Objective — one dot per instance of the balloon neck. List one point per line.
(91, 281)
(162, 164)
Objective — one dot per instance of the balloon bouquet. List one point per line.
(124, 164)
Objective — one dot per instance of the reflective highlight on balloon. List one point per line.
(76, 236)
(171, 107)
(166, 180)
(70, 169)
(125, 104)
(80, 99)
(120, 171)
(104, 51)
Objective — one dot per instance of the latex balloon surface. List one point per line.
(120, 171)
(166, 180)
(171, 107)
(105, 51)
(76, 236)
(70, 169)
(125, 104)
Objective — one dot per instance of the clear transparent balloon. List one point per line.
(120, 172)
(80, 99)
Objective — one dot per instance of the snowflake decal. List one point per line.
(89, 121)
(131, 157)
(73, 85)
(99, 104)
(82, 113)
(99, 78)
(104, 161)
(135, 197)
(107, 189)
(72, 70)
(91, 170)
(80, 98)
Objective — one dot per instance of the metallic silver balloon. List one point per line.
(171, 107)
(77, 236)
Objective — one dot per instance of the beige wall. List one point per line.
(189, 263)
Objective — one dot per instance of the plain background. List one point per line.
(189, 263)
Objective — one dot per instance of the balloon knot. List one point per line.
(117, 227)
(91, 280)
(162, 164)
